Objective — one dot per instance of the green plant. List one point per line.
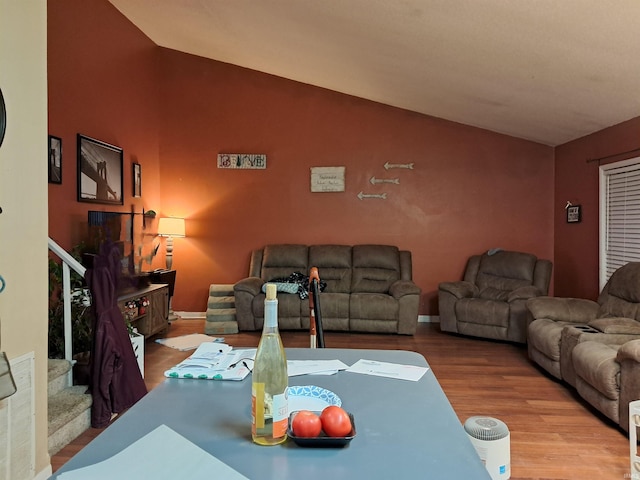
(81, 312)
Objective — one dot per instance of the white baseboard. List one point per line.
(44, 474)
(198, 315)
(191, 315)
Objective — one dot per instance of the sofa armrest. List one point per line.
(251, 285)
(524, 293)
(400, 288)
(461, 289)
(628, 357)
(573, 310)
(629, 351)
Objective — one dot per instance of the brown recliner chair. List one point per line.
(591, 345)
(491, 300)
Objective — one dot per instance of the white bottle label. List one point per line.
(280, 414)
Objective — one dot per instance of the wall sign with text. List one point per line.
(242, 160)
(574, 213)
(327, 179)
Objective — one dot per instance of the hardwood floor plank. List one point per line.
(554, 434)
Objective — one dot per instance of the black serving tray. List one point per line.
(322, 440)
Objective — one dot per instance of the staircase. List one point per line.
(69, 406)
(221, 310)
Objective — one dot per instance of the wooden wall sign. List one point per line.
(327, 179)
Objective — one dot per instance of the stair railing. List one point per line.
(68, 262)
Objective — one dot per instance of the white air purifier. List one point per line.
(634, 437)
(492, 441)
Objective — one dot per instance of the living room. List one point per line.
(470, 189)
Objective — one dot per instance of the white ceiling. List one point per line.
(544, 70)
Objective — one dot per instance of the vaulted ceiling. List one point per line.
(543, 70)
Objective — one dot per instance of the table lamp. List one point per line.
(170, 227)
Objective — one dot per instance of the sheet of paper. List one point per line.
(214, 362)
(314, 367)
(391, 370)
(208, 354)
(162, 453)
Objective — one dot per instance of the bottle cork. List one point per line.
(271, 291)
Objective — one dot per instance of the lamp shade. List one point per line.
(171, 227)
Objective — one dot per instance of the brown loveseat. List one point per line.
(369, 288)
(491, 300)
(593, 346)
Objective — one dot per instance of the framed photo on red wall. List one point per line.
(55, 159)
(137, 180)
(574, 213)
(99, 171)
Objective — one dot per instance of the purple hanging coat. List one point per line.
(116, 382)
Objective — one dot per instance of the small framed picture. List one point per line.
(55, 159)
(137, 180)
(574, 213)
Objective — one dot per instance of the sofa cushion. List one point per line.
(280, 261)
(491, 293)
(595, 363)
(618, 307)
(546, 336)
(334, 266)
(616, 325)
(373, 306)
(621, 296)
(624, 284)
(334, 305)
(282, 287)
(481, 311)
(506, 270)
(375, 268)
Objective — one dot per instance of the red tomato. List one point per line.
(306, 424)
(335, 421)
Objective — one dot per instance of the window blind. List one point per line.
(621, 216)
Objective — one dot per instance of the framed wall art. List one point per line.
(574, 213)
(137, 180)
(55, 159)
(99, 171)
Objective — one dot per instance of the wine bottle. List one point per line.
(269, 408)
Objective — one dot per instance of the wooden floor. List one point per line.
(554, 435)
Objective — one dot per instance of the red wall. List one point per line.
(470, 190)
(102, 77)
(576, 245)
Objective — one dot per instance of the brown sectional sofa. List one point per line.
(369, 288)
(593, 346)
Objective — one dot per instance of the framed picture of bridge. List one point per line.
(99, 171)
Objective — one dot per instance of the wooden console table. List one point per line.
(155, 318)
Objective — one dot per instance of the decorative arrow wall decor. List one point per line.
(375, 180)
(388, 165)
(362, 195)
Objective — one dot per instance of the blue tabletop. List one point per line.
(404, 429)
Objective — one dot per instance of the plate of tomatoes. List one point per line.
(331, 427)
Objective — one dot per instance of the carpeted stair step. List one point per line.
(220, 328)
(220, 290)
(222, 302)
(69, 415)
(57, 374)
(221, 314)
(221, 311)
